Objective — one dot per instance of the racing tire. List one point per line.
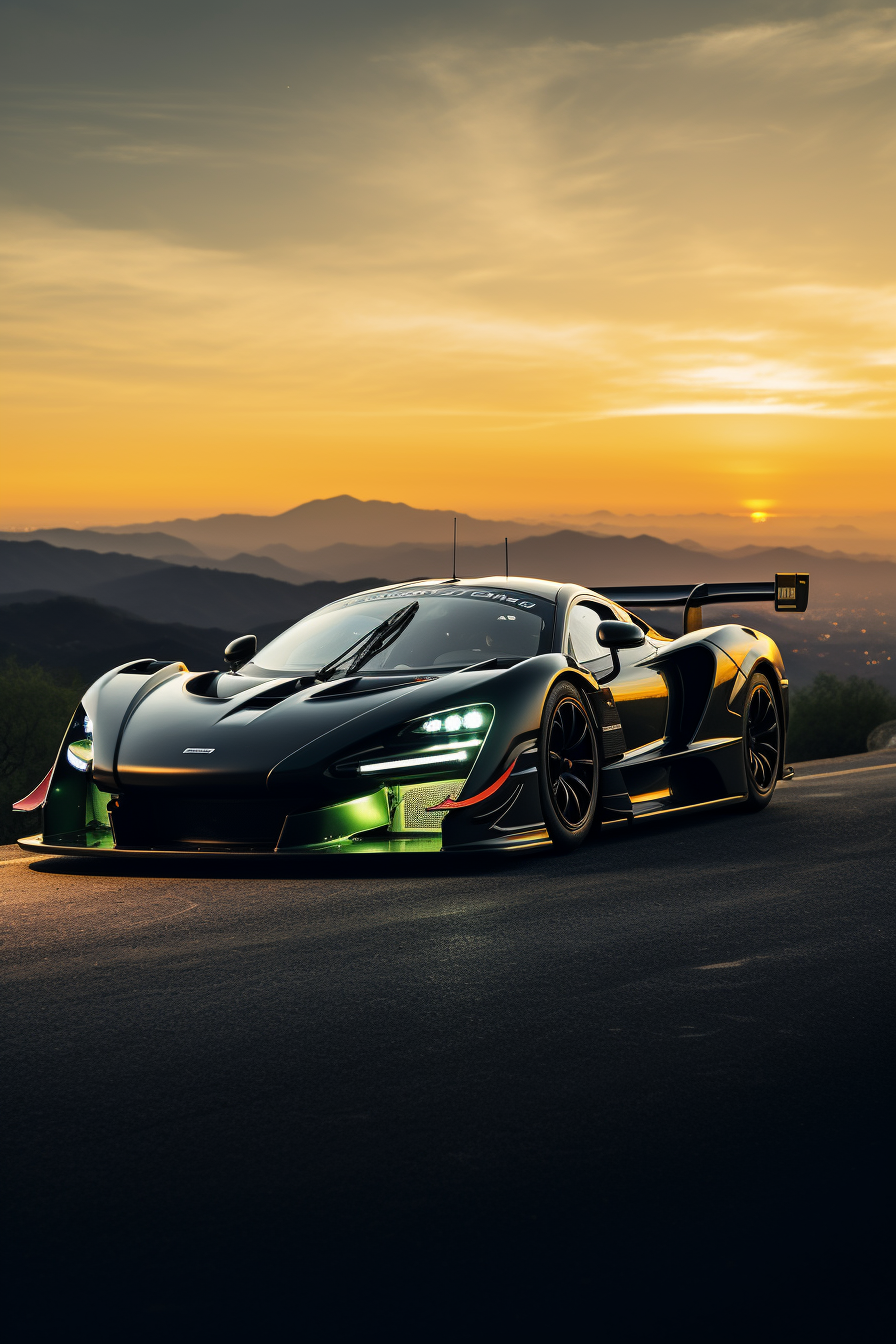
(568, 767)
(763, 741)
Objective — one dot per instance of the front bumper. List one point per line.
(392, 819)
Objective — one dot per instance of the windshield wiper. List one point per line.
(363, 649)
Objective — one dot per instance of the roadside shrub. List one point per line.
(834, 716)
(883, 736)
(35, 709)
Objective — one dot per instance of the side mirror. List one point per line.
(619, 635)
(240, 651)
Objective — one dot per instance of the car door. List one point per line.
(639, 690)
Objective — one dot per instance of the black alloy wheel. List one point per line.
(762, 741)
(568, 767)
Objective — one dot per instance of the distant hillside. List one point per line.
(155, 591)
(576, 557)
(150, 545)
(73, 634)
(265, 566)
(320, 522)
(36, 564)
(216, 596)
(235, 602)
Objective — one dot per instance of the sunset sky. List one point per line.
(497, 257)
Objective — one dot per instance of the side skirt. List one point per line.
(661, 780)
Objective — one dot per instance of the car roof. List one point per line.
(537, 587)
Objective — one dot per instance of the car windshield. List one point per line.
(452, 627)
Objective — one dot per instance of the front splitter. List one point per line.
(423, 844)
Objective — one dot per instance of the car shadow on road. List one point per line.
(273, 868)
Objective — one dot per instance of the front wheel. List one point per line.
(762, 741)
(568, 767)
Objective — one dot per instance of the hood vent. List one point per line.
(266, 699)
(365, 686)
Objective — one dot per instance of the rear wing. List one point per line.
(789, 592)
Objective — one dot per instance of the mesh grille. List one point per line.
(414, 799)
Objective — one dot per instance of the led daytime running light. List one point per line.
(378, 767)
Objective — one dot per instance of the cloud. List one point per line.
(836, 52)
(549, 232)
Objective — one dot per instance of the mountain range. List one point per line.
(27, 564)
(320, 522)
(76, 635)
(156, 591)
(88, 599)
(150, 545)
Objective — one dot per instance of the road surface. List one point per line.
(642, 1091)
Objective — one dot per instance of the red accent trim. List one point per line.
(36, 798)
(477, 798)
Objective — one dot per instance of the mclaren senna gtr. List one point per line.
(444, 715)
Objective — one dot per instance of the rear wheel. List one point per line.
(568, 771)
(762, 741)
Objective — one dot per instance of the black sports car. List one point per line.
(448, 714)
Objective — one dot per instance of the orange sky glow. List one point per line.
(553, 275)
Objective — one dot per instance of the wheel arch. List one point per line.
(765, 665)
(589, 687)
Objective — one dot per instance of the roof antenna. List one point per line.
(454, 556)
(506, 560)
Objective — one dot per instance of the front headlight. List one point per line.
(461, 721)
(80, 753)
(467, 720)
(453, 739)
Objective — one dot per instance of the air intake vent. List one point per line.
(204, 684)
(414, 799)
(147, 667)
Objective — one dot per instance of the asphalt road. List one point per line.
(639, 1092)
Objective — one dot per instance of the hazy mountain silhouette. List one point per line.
(36, 564)
(150, 545)
(292, 537)
(74, 634)
(321, 522)
(265, 566)
(67, 633)
(203, 596)
(156, 591)
(576, 557)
